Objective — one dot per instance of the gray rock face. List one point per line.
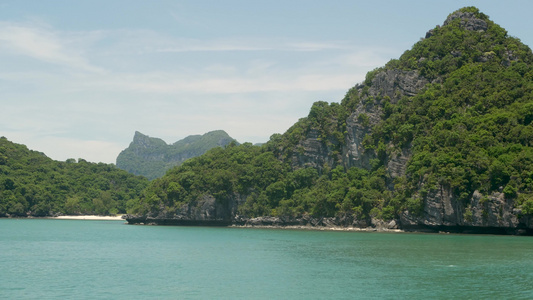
(468, 21)
(206, 211)
(354, 154)
(318, 222)
(397, 162)
(208, 208)
(430, 33)
(313, 152)
(396, 84)
(492, 213)
(442, 208)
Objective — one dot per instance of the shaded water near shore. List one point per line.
(107, 259)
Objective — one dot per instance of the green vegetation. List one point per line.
(472, 128)
(469, 129)
(35, 185)
(270, 185)
(152, 157)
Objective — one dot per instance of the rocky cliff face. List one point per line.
(205, 211)
(468, 21)
(313, 154)
(393, 84)
(483, 213)
(316, 152)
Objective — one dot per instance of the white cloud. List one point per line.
(42, 44)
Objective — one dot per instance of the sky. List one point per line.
(78, 78)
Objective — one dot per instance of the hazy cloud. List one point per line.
(42, 44)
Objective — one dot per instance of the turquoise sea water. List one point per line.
(74, 259)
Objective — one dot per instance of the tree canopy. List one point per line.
(32, 184)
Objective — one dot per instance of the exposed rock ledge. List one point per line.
(143, 220)
(337, 224)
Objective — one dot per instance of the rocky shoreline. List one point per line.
(326, 224)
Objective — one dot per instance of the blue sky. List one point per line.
(78, 78)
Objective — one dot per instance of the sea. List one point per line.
(82, 259)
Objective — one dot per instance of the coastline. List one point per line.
(319, 228)
(89, 217)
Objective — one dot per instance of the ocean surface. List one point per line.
(77, 259)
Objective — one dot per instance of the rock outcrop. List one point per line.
(483, 214)
(206, 211)
(468, 21)
(313, 154)
(386, 84)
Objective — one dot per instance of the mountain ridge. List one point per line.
(152, 157)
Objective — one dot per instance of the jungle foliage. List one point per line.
(270, 185)
(32, 184)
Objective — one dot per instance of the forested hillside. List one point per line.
(152, 157)
(441, 136)
(32, 184)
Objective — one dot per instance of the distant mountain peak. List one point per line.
(145, 141)
(152, 157)
(139, 135)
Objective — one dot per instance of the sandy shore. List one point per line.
(90, 217)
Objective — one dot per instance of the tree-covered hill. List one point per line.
(441, 137)
(152, 157)
(32, 184)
